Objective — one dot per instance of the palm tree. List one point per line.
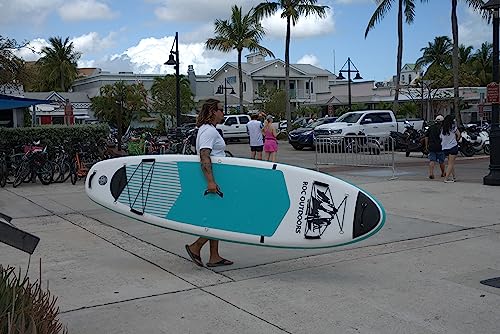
(58, 64)
(465, 54)
(436, 53)
(238, 33)
(483, 63)
(119, 104)
(291, 10)
(383, 6)
(163, 94)
(476, 6)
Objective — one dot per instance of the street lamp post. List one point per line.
(225, 88)
(349, 71)
(493, 178)
(426, 111)
(173, 59)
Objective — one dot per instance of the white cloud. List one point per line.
(85, 44)
(38, 10)
(150, 54)
(32, 51)
(198, 10)
(93, 42)
(309, 59)
(306, 26)
(81, 10)
(35, 10)
(473, 30)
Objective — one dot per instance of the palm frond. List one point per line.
(383, 7)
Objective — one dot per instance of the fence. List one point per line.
(358, 151)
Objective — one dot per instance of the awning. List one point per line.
(12, 102)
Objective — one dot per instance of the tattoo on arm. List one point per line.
(206, 163)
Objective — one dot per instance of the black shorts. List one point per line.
(451, 151)
(257, 148)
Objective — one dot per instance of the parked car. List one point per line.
(297, 123)
(304, 136)
(186, 127)
(234, 126)
(377, 123)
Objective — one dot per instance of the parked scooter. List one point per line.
(362, 144)
(473, 140)
(416, 140)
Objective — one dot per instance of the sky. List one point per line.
(137, 35)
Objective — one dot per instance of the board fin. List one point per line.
(366, 216)
(118, 182)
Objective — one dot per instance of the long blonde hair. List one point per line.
(206, 115)
(268, 125)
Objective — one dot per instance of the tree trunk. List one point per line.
(240, 79)
(288, 113)
(399, 57)
(119, 124)
(455, 62)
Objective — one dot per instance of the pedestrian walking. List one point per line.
(270, 141)
(433, 146)
(209, 143)
(254, 130)
(449, 143)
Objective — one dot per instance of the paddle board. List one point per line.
(259, 202)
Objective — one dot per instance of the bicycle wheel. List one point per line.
(58, 173)
(65, 170)
(73, 172)
(22, 173)
(3, 173)
(46, 173)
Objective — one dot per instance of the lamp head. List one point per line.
(232, 91)
(358, 77)
(171, 60)
(340, 76)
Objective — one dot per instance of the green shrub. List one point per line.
(11, 138)
(24, 307)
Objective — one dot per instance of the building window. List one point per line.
(409, 78)
(244, 86)
(403, 78)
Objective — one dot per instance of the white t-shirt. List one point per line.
(209, 137)
(450, 140)
(254, 129)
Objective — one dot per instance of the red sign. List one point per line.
(492, 95)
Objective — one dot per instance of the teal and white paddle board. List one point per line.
(259, 203)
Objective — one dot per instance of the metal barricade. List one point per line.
(357, 151)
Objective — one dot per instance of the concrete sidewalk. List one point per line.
(419, 274)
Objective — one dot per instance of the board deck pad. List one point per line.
(260, 203)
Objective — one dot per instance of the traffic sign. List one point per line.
(492, 94)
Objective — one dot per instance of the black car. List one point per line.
(304, 136)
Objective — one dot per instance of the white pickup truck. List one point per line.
(234, 126)
(377, 123)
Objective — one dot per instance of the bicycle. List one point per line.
(34, 163)
(4, 169)
(63, 167)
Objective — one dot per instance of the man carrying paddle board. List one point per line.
(209, 143)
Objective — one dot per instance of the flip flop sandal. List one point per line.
(195, 258)
(222, 262)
